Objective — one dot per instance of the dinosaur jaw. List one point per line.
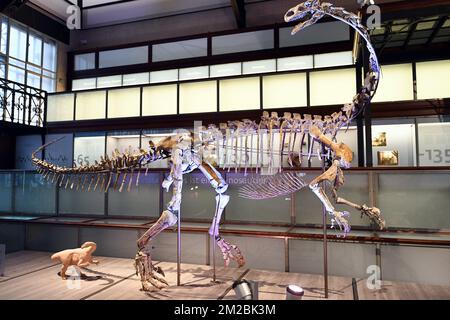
(300, 13)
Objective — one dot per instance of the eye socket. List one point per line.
(290, 13)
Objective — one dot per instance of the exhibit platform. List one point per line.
(33, 275)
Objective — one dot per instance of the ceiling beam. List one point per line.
(412, 28)
(436, 29)
(239, 12)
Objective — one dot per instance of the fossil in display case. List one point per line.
(380, 140)
(388, 158)
(80, 257)
(235, 143)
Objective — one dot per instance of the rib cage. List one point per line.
(273, 186)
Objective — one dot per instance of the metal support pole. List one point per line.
(179, 250)
(325, 242)
(214, 257)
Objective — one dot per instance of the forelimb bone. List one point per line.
(229, 251)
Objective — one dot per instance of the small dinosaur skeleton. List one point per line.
(239, 144)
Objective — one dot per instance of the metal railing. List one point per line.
(22, 104)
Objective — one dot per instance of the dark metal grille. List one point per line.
(22, 104)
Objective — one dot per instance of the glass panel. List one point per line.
(6, 192)
(155, 136)
(59, 153)
(84, 84)
(194, 73)
(136, 78)
(434, 144)
(16, 74)
(34, 69)
(48, 84)
(393, 145)
(396, 83)
(164, 76)
(34, 49)
(87, 149)
(180, 50)
(247, 41)
(225, 70)
(159, 100)
(333, 59)
(318, 33)
(17, 63)
(332, 87)
(34, 195)
(90, 105)
(18, 42)
(4, 35)
(140, 201)
(198, 197)
(414, 200)
(259, 66)
(198, 97)
(25, 145)
(286, 90)
(350, 138)
(123, 57)
(110, 81)
(2, 68)
(123, 141)
(430, 79)
(239, 94)
(33, 80)
(72, 201)
(295, 63)
(310, 210)
(84, 61)
(275, 210)
(49, 56)
(124, 103)
(60, 107)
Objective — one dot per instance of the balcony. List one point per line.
(21, 104)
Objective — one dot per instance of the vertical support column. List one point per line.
(179, 250)
(214, 257)
(325, 241)
(359, 119)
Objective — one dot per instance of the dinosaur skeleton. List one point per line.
(236, 144)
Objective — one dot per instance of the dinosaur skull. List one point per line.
(302, 13)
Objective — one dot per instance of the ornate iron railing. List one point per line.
(22, 104)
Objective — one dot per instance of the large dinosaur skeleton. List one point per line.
(263, 145)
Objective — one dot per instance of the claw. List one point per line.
(339, 219)
(149, 274)
(230, 252)
(374, 214)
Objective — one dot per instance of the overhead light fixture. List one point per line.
(294, 292)
(246, 290)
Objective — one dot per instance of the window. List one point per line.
(284, 90)
(26, 56)
(84, 84)
(198, 97)
(247, 41)
(34, 49)
(3, 35)
(427, 85)
(123, 57)
(179, 50)
(332, 87)
(239, 94)
(84, 61)
(18, 42)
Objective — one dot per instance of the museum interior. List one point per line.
(144, 129)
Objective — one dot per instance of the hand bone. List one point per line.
(340, 220)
